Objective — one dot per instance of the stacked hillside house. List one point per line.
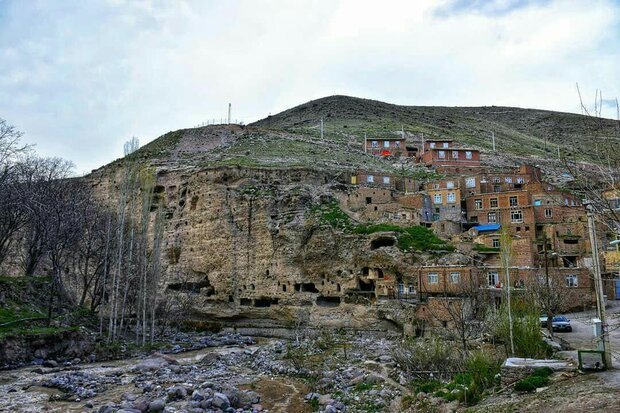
(479, 209)
(386, 146)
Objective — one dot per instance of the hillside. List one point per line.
(291, 139)
(517, 131)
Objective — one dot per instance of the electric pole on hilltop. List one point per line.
(493, 137)
(229, 105)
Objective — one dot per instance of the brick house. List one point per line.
(390, 146)
(451, 280)
(445, 196)
(453, 157)
(373, 179)
(512, 209)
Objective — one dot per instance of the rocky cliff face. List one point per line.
(243, 247)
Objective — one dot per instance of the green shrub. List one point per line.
(426, 386)
(433, 354)
(531, 383)
(542, 372)
(415, 238)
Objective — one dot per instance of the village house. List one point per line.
(445, 196)
(387, 146)
(512, 209)
(452, 280)
(457, 159)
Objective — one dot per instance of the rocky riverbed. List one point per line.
(218, 373)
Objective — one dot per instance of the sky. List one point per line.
(80, 78)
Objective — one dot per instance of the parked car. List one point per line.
(543, 320)
(559, 323)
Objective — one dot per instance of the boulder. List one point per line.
(156, 406)
(220, 400)
(176, 393)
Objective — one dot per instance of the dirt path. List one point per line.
(282, 397)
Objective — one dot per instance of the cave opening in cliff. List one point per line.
(265, 302)
(328, 301)
(366, 285)
(193, 287)
(245, 302)
(305, 288)
(381, 242)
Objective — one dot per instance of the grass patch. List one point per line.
(415, 238)
(531, 383)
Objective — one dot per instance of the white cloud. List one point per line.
(80, 78)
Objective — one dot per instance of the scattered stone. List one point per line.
(156, 406)
(221, 401)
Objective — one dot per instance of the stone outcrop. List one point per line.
(243, 247)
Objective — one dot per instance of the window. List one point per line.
(437, 199)
(493, 279)
(431, 145)
(410, 289)
(478, 203)
(401, 288)
(397, 143)
(537, 202)
(519, 180)
(374, 144)
(494, 203)
(514, 201)
(468, 154)
(495, 242)
(386, 180)
(548, 212)
(435, 186)
(497, 188)
(516, 216)
(455, 277)
(450, 184)
(451, 197)
(492, 217)
(508, 180)
(571, 280)
(445, 144)
(470, 182)
(433, 278)
(370, 179)
(497, 179)
(455, 154)
(442, 154)
(386, 144)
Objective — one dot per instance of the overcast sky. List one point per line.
(79, 78)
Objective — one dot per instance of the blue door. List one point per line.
(617, 289)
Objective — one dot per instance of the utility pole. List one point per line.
(598, 284)
(506, 252)
(229, 105)
(321, 128)
(559, 157)
(548, 287)
(422, 143)
(365, 143)
(493, 137)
